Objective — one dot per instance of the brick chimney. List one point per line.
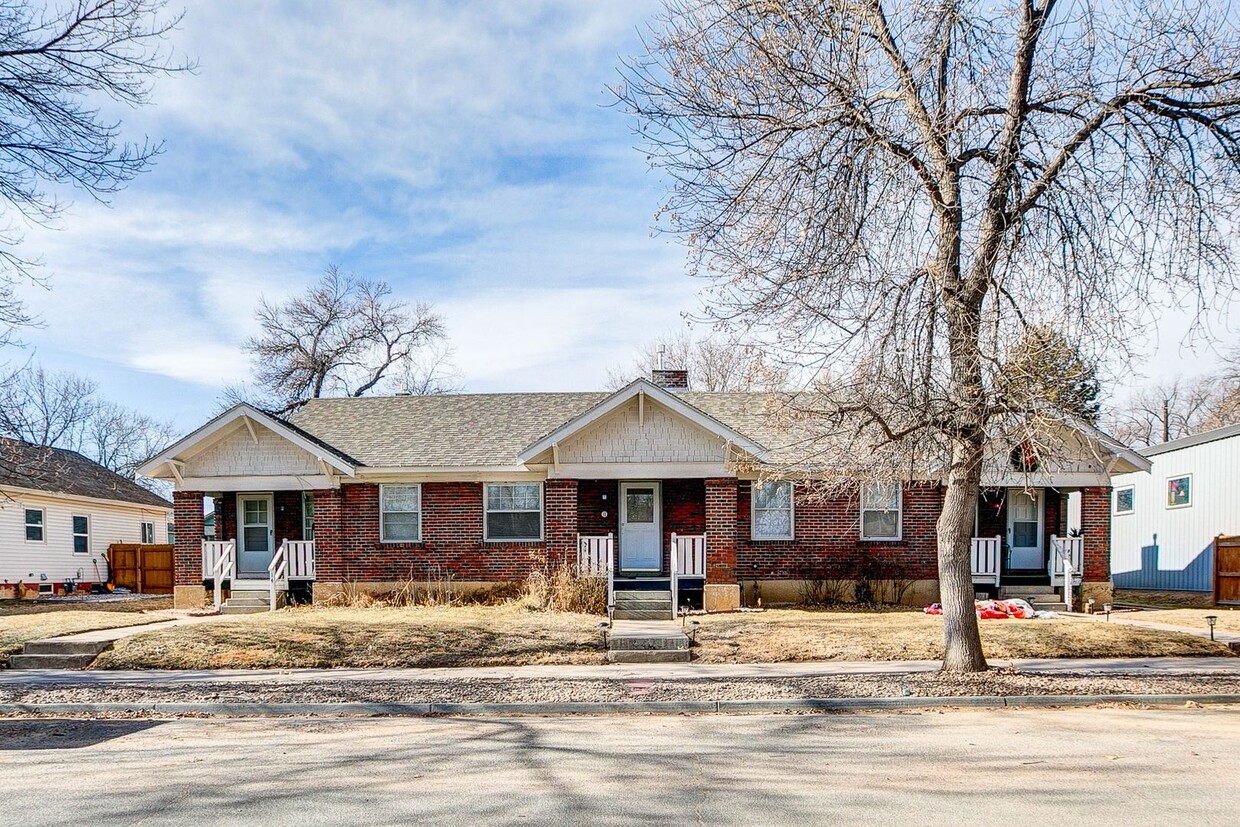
(673, 380)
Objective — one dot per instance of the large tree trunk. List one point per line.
(962, 642)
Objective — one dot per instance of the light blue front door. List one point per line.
(255, 536)
(640, 527)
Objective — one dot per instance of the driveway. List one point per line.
(1100, 766)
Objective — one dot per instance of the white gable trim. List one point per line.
(642, 388)
(169, 459)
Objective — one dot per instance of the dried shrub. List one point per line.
(562, 589)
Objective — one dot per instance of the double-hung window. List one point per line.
(81, 535)
(881, 511)
(400, 513)
(34, 525)
(772, 510)
(513, 511)
(148, 533)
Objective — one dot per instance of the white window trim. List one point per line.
(486, 509)
(42, 524)
(1132, 510)
(382, 492)
(753, 512)
(899, 516)
(306, 496)
(1166, 491)
(73, 531)
(142, 534)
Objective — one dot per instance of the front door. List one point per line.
(1024, 508)
(255, 535)
(640, 527)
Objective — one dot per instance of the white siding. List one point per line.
(237, 455)
(1170, 548)
(109, 523)
(622, 436)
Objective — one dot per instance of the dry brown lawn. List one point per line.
(134, 605)
(366, 637)
(17, 629)
(805, 635)
(1228, 618)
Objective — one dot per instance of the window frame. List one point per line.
(1132, 507)
(143, 533)
(73, 525)
(307, 526)
(486, 510)
(753, 512)
(899, 509)
(382, 511)
(1167, 501)
(27, 525)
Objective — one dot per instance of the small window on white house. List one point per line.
(1125, 500)
(513, 511)
(148, 532)
(34, 525)
(81, 535)
(400, 513)
(772, 510)
(881, 512)
(1180, 491)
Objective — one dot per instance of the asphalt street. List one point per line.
(1029, 767)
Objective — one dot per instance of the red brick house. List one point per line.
(651, 484)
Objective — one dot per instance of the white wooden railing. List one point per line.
(596, 557)
(1067, 562)
(293, 560)
(985, 555)
(687, 556)
(219, 563)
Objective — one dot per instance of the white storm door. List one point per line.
(640, 527)
(255, 535)
(1024, 510)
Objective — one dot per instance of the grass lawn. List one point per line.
(800, 635)
(368, 637)
(17, 628)
(1228, 618)
(134, 605)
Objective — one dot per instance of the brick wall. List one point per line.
(722, 530)
(1096, 523)
(827, 538)
(593, 498)
(187, 555)
(560, 520)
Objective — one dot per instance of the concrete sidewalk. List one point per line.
(1221, 666)
(1230, 639)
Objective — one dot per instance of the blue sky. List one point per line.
(464, 152)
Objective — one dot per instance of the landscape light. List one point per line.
(1210, 621)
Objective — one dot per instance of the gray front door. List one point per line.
(256, 535)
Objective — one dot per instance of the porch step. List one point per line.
(58, 654)
(50, 661)
(1022, 591)
(659, 641)
(229, 608)
(642, 604)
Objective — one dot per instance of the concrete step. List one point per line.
(65, 647)
(643, 614)
(264, 594)
(649, 605)
(661, 634)
(51, 661)
(244, 610)
(642, 594)
(249, 601)
(1020, 591)
(649, 656)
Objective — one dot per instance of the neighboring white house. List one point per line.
(59, 512)
(1163, 523)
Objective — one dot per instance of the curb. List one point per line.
(423, 710)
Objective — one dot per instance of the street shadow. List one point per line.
(20, 735)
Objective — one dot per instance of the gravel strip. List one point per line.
(1001, 683)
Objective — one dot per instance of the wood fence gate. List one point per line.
(1227, 569)
(144, 569)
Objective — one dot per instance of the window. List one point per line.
(307, 516)
(172, 535)
(148, 532)
(1124, 500)
(34, 525)
(400, 509)
(880, 512)
(513, 511)
(1180, 491)
(772, 510)
(81, 535)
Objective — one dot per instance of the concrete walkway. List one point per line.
(1231, 639)
(1221, 666)
(116, 633)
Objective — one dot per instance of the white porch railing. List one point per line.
(986, 555)
(1067, 563)
(219, 563)
(596, 556)
(687, 556)
(293, 560)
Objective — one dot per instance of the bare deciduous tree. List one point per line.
(714, 364)
(56, 59)
(1176, 408)
(897, 191)
(344, 336)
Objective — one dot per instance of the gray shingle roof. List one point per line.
(488, 429)
(58, 471)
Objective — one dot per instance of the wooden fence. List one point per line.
(1227, 570)
(144, 569)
